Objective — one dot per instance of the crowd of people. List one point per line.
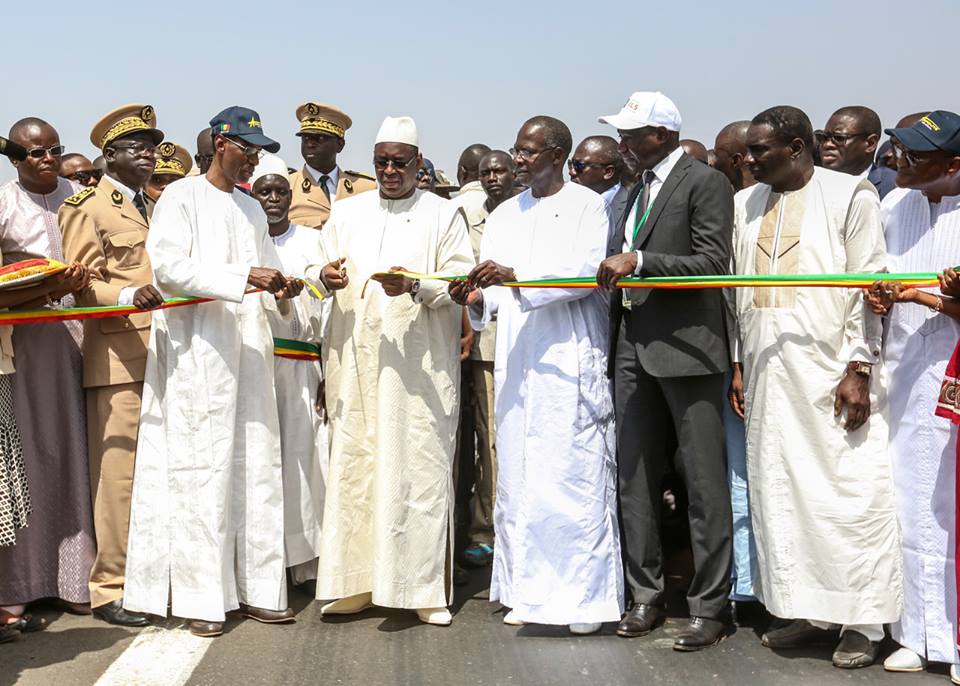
(339, 417)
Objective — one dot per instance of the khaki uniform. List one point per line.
(102, 229)
(309, 205)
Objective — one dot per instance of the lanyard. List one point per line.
(637, 225)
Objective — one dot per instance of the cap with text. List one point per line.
(122, 122)
(243, 123)
(172, 159)
(318, 118)
(645, 108)
(939, 130)
(398, 130)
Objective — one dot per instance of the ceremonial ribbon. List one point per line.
(295, 350)
(911, 280)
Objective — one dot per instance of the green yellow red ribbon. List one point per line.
(291, 349)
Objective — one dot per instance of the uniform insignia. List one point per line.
(312, 109)
(78, 197)
(117, 197)
(305, 185)
(348, 184)
(361, 175)
(167, 149)
(146, 113)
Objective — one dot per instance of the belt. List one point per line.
(295, 350)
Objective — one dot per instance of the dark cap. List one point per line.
(243, 123)
(939, 130)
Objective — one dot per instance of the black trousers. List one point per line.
(650, 412)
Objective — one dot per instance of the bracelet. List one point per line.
(938, 307)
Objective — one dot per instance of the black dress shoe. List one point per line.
(700, 633)
(113, 613)
(639, 621)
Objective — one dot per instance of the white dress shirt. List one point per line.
(661, 171)
(334, 177)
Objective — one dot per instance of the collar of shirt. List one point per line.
(332, 183)
(663, 168)
(609, 194)
(123, 188)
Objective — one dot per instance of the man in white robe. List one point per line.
(820, 484)
(298, 377)
(206, 522)
(922, 225)
(557, 558)
(392, 369)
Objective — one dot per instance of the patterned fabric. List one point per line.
(14, 494)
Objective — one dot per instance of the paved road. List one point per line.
(392, 647)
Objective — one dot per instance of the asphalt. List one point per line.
(392, 647)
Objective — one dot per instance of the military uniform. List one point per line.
(104, 230)
(172, 160)
(309, 205)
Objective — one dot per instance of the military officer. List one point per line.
(105, 228)
(173, 162)
(321, 182)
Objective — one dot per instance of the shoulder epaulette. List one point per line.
(80, 196)
(360, 174)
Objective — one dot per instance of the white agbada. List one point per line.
(303, 435)
(821, 499)
(557, 557)
(923, 237)
(392, 391)
(206, 521)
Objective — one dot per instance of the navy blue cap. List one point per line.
(939, 130)
(243, 123)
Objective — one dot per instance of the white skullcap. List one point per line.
(269, 164)
(645, 108)
(398, 130)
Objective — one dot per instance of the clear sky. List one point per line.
(468, 72)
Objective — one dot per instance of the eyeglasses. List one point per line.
(381, 164)
(84, 176)
(579, 166)
(837, 138)
(40, 153)
(526, 155)
(251, 151)
(913, 158)
(137, 149)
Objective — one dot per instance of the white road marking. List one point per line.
(159, 656)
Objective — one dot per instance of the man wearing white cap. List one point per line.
(669, 356)
(392, 389)
(297, 375)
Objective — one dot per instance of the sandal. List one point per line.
(24, 624)
(478, 554)
(9, 633)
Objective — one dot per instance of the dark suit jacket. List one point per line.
(688, 233)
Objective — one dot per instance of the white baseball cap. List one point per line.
(645, 108)
(398, 130)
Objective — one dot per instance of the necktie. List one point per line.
(140, 204)
(324, 180)
(643, 207)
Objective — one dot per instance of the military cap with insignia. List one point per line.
(124, 121)
(172, 159)
(319, 118)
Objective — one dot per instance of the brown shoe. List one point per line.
(267, 616)
(199, 627)
(855, 651)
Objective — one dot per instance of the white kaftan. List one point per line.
(206, 521)
(923, 237)
(392, 391)
(557, 558)
(821, 498)
(303, 436)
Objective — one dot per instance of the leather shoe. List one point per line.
(798, 633)
(113, 613)
(199, 627)
(855, 651)
(266, 616)
(700, 633)
(639, 621)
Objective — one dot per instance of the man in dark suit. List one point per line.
(668, 357)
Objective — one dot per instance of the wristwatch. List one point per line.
(414, 288)
(862, 368)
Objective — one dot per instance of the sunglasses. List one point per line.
(84, 176)
(40, 153)
(382, 164)
(836, 138)
(579, 166)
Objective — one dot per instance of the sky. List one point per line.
(467, 72)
